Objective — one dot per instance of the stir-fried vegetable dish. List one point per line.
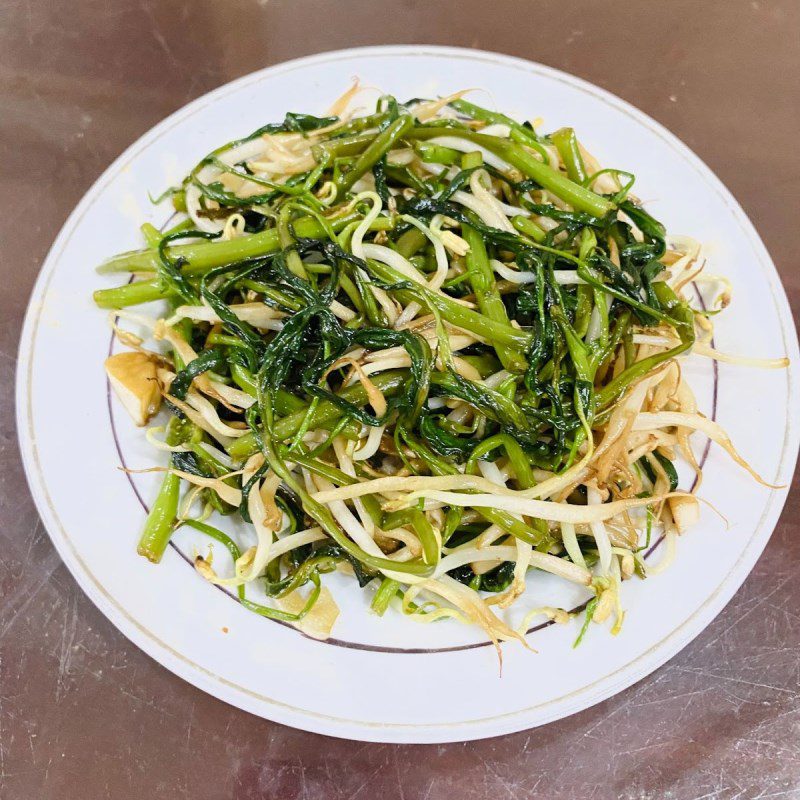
(425, 345)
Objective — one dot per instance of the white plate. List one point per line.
(392, 679)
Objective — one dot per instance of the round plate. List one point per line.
(390, 678)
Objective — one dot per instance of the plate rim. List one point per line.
(306, 719)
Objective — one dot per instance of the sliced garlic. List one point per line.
(685, 511)
(133, 376)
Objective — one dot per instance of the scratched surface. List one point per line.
(83, 714)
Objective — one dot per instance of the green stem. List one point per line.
(519, 133)
(287, 242)
(437, 154)
(152, 235)
(423, 529)
(131, 294)
(411, 242)
(342, 147)
(567, 145)
(577, 196)
(489, 300)
(683, 320)
(455, 314)
(204, 256)
(516, 455)
(583, 312)
(535, 535)
(386, 591)
(337, 476)
(158, 526)
(381, 144)
(577, 349)
(323, 515)
(326, 414)
(233, 549)
(529, 228)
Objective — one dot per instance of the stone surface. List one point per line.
(83, 713)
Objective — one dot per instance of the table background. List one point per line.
(83, 713)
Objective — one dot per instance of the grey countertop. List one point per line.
(83, 713)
